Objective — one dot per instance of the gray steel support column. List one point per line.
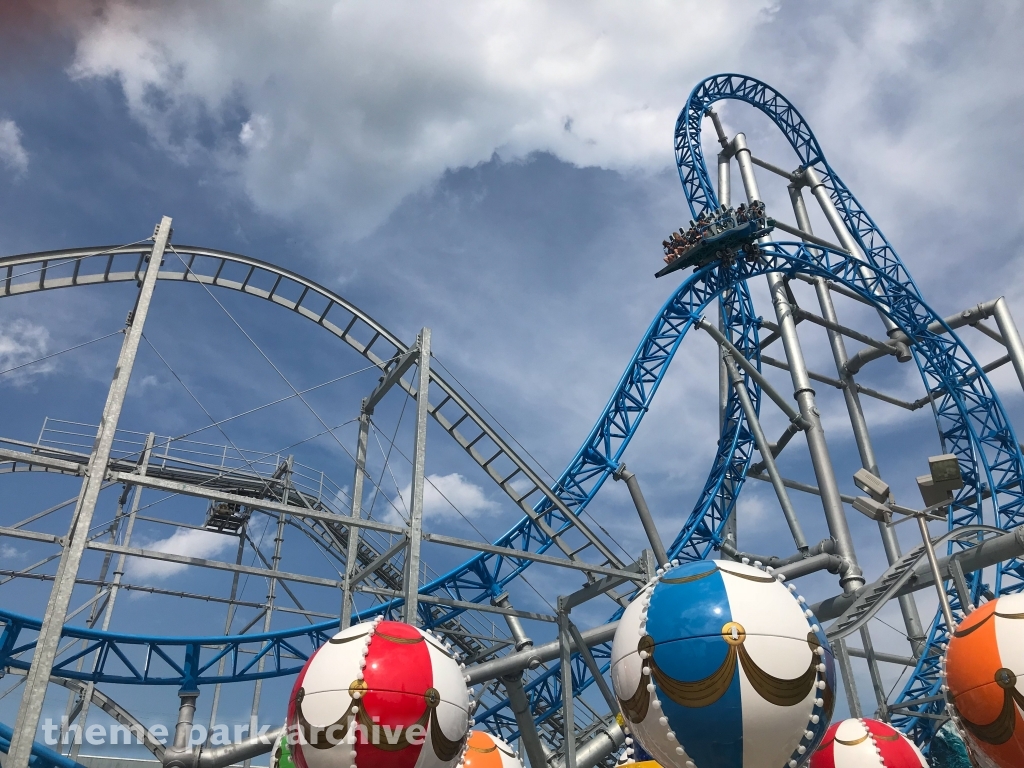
(846, 239)
(846, 671)
(108, 612)
(724, 180)
(766, 455)
(410, 614)
(890, 543)
(569, 720)
(876, 677)
(835, 515)
(595, 671)
(186, 715)
(532, 657)
(129, 528)
(933, 564)
(352, 550)
(1011, 337)
(518, 701)
(268, 615)
(77, 704)
(751, 370)
(227, 628)
(519, 637)
(604, 743)
(60, 595)
(646, 520)
(729, 530)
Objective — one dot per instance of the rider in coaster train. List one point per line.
(712, 224)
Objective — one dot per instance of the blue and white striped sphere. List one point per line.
(719, 665)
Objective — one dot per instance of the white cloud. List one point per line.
(21, 342)
(184, 541)
(12, 153)
(8, 553)
(346, 108)
(445, 496)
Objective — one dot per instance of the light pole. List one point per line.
(937, 492)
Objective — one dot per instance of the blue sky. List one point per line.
(502, 173)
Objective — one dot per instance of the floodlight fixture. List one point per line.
(930, 494)
(945, 471)
(873, 509)
(872, 485)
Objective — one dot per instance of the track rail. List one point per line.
(971, 420)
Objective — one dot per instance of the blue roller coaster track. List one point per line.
(970, 418)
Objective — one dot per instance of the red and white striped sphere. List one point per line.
(864, 743)
(379, 695)
(486, 751)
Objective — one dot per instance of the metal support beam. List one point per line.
(882, 713)
(849, 684)
(767, 457)
(108, 611)
(60, 596)
(568, 716)
(518, 701)
(933, 563)
(389, 379)
(774, 169)
(859, 424)
(533, 657)
(720, 132)
(228, 621)
(835, 220)
(352, 550)
(177, 754)
(204, 492)
(888, 658)
(378, 561)
(607, 741)
(835, 327)
(805, 235)
(1011, 336)
(268, 614)
(970, 316)
(520, 640)
(410, 614)
(821, 460)
(767, 360)
(724, 179)
(963, 591)
(994, 550)
(729, 530)
(835, 516)
(751, 370)
(588, 659)
(646, 520)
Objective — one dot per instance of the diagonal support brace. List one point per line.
(389, 379)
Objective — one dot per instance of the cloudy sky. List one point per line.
(499, 171)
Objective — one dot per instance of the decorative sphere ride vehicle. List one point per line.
(382, 694)
(984, 661)
(718, 664)
(485, 750)
(865, 743)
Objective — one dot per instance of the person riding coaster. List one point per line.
(722, 235)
